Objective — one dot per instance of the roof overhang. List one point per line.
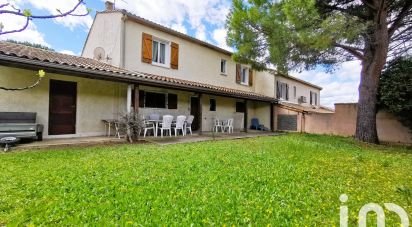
(25, 63)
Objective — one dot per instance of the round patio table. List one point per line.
(8, 141)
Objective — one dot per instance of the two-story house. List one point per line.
(131, 63)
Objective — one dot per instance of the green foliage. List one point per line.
(35, 45)
(291, 34)
(395, 89)
(291, 180)
(27, 13)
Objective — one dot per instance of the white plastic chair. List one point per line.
(166, 124)
(154, 116)
(189, 121)
(180, 124)
(217, 125)
(228, 126)
(148, 126)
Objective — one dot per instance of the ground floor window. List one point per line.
(212, 105)
(149, 99)
(240, 107)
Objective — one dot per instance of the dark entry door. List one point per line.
(62, 107)
(195, 110)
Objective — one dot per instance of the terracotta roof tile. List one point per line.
(40, 55)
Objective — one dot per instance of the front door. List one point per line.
(195, 110)
(62, 107)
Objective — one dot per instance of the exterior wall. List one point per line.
(265, 83)
(262, 112)
(301, 90)
(282, 111)
(106, 33)
(225, 109)
(343, 122)
(196, 63)
(96, 99)
(183, 102)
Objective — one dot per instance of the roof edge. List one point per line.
(125, 77)
(146, 22)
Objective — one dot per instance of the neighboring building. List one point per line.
(132, 63)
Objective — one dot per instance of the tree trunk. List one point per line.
(375, 54)
(366, 118)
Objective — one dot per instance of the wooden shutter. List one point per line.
(172, 101)
(277, 89)
(174, 56)
(310, 97)
(147, 48)
(287, 92)
(238, 73)
(250, 77)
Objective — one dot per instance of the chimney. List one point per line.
(109, 5)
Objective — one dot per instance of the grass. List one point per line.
(283, 181)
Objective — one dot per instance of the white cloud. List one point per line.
(179, 27)
(339, 86)
(30, 34)
(69, 52)
(219, 35)
(50, 7)
(172, 13)
(201, 33)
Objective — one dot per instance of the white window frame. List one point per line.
(167, 52)
(244, 76)
(224, 72)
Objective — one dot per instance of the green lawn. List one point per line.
(283, 180)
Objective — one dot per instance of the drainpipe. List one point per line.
(123, 42)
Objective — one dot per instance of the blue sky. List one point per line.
(204, 20)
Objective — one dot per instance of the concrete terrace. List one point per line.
(166, 140)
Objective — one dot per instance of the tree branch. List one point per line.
(17, 30)
(402, 15)
(368, 4)
(352, 50)
(18, 12)
(23, 88)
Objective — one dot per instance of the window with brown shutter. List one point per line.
(146, 48)
(250, 77)
(174, 56)
(238, 73)
(172, 101)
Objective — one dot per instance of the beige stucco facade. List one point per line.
(123, 45)
(302, 89)
(96, 99)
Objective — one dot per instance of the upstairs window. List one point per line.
(159, 52)
(282, 90)
(244, 76)
(313, 98)
(223, 66)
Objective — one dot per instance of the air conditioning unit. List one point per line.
(302, 99)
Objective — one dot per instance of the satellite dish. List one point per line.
(99, 54)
